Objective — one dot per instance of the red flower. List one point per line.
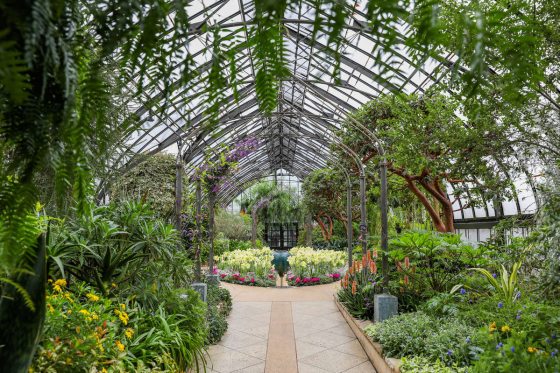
(223, 275)
(242, 279)
(253, 280)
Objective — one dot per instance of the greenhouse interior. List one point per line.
(279, 186)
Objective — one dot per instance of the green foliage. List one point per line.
(507, 284)
(119, 244)
(436, 260)
(420, 364)
(219, 306)
(271, 202)
(85, 330)
(152, 181)
(232, 226)
(418, 334)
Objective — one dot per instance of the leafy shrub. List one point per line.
(419, 364)
(418, 334)
(437, 260)
(219, 306)
(233, 226)
(117, 244)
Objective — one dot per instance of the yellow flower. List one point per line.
(531, 349)
(78, 329)
(505, 328)
(61, 282)
(123, 316)
(123, 307)
(94, 316)
(120, 346)
(113, 285)
(50, 307)
(103, 370)
(92, 297)
(129, 333)
(84, 312)
(57, 288)
(492, 327)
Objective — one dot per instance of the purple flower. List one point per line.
(512, 349)
(554, 352)
(499, 345)
(468, 340)
(494, 275)
(517, 295)
(463, 291)
(500, 305)
(449, 352)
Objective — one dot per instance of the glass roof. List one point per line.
(311, 102)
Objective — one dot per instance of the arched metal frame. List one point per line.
(311, 101)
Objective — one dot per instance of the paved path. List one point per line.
(287, 331)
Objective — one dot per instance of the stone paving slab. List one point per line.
(289, 330)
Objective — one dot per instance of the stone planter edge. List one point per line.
(373, 350)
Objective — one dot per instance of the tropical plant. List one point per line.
(117, 244)
(507, 285)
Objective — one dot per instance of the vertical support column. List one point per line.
(211, 278)
(179, 185)
(349, 228)
(384, 223)
(363, 221)
(197, 270)
(308, 230)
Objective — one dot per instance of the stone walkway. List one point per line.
(287, 330)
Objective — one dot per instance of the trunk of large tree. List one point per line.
(433, 188)
(327, 231)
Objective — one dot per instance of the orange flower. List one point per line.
(399, 267)
(372, 267)
(406, 279)
(354, 287)
(364, 261)
(375, 253)
(368, 256)
(351, 270)
(406, 262)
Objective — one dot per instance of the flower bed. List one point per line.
(307, 267)
(460, 309)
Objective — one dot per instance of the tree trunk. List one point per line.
(434, 215)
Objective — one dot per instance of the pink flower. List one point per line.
(242, 279)
(271, 276)
(223, 275)
(253, 280)
(215, 271)
(336, 276)
(298, 280)
(306, 280)
(315, 279)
